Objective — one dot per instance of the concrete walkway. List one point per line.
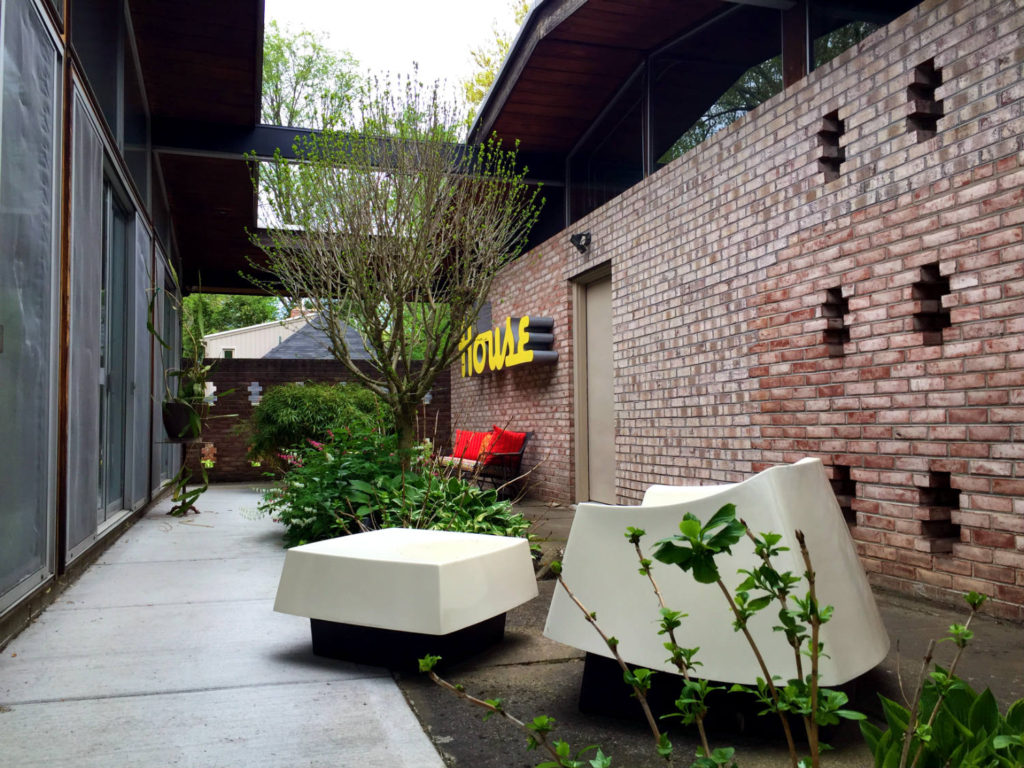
(167, 653)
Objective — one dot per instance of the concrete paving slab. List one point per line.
(138, 673)
(212, 535)
(108, 585)
(363, 723)
(168, 652)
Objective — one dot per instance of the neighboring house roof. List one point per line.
(291, 322)
(311, 343)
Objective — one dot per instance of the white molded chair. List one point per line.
(600, 567)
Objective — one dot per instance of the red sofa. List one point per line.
(494, 456)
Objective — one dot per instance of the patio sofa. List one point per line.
(494, 456)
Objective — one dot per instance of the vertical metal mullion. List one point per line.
(646, 119)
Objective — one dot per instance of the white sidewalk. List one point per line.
(167, 653)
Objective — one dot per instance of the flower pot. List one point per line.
(180, 422)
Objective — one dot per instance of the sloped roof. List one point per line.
(571, 57)
(311, 343)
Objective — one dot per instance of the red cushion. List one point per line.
(461, 442)
(471, 449)
(486, 447)
(506, 441)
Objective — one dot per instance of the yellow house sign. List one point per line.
(517, 341)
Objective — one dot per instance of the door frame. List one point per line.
(579, 371)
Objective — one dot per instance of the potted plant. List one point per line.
(184, 409)
(184, 405)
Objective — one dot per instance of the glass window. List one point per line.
(136, 124)
(706, 80)
(113, 355)
(834, 27)
(30, 83)
(610, 158)
(96, 37)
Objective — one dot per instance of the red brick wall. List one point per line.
(228, 449)
(721, 263)
(530, 398)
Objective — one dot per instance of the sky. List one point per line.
(389, 35)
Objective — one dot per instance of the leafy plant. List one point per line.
(948, 722)
(290, 414)
(350, 484)
(694, 550)
(184, 406)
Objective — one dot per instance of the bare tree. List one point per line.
(396, 231)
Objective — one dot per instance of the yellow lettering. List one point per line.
(481, 351)
(522, 354)
(508, 342)
(466, 351)
(495, 349)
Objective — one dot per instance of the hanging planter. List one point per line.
(182, 421)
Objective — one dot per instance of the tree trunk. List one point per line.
(405, 425)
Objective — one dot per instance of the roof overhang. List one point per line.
(571, 57)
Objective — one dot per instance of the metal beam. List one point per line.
(183, 137)
(187, 137)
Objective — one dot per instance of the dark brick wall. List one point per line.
(228, 449)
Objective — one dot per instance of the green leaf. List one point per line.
(689, 526)
(428, 662)
(896, 716)
(850, 714)
(1003, 741)
(759, 603)
(704, 569)
(892, 756)
(1015, 716)
(975, 600)
(664, 746)
(672, 554)
(871, 733)
(984, 713)
(725, 515)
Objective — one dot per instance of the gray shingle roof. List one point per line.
(311, 343)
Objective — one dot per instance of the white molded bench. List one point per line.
(390, 596)
(601, 568)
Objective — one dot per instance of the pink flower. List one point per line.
(315, 444)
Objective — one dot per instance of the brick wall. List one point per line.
(738, 271)
(227, 448)
(530, 398)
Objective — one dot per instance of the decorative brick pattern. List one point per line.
(721, 266)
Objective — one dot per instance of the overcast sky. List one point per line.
(392, 34)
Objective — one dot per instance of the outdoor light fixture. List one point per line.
(428, 398)
(581, 240)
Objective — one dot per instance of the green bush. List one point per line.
(345, 486)
(291, 414)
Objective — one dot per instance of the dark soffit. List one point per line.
(570, 58)
(202, 65)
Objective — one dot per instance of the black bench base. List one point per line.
(604, 692)
(401, 650)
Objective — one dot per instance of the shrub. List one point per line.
(345, 486)
(290, 414)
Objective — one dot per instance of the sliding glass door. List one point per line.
(29, 116)
(114, 362)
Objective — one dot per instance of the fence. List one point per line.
(239, 383)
